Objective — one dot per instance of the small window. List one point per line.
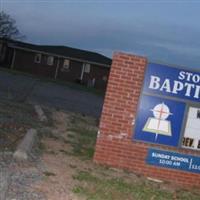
(50, 60)
(38, 57)
(87, 68)
(65, 67)
(66, 64)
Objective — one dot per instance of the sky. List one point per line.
(165, 31)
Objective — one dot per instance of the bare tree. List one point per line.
(8, 27)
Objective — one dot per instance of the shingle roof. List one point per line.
(67, 52)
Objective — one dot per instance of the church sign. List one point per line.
(169, 108)
(165, 127)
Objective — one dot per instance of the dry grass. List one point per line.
(94, 182)
(15, 119)
(67, 146)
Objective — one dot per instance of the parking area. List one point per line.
(22, 88)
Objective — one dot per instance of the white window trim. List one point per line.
(87, 68)
(50, 60)
(66, 64)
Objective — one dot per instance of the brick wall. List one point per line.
(115, 146)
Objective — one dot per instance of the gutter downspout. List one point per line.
(13, 60)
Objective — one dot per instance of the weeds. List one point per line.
(81, 136)
(15, 119)
(82, 141)
(109, 188)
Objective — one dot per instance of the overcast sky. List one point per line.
(165, 31)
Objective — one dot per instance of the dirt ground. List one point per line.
(61, 167)
(60, 164)
(63, 163)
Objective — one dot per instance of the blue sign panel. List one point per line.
(173, 160)
(159, 120)
(164, 111)
(168, 81)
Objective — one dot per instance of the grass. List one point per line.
(93, 187)
(100, 183)
(81, 136)
(15, 119)
(96, 183)
(19, 113)
(83, 143)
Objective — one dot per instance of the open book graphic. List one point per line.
(154, 125)
(159, 124)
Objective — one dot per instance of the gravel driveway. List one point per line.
(26, 88)
(14, 177)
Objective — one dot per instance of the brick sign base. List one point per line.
(115, 146)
